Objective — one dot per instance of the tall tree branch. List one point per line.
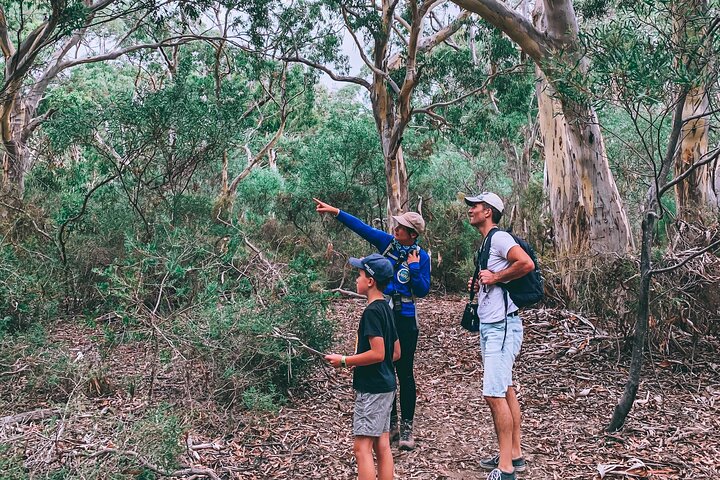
(364, 57)
(518, 28)
(8, 49)
(428, 43)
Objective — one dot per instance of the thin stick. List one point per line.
(277, 333)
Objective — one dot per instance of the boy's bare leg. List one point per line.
(514, 405)
(363, 448)
(503, 420)
(386, 466)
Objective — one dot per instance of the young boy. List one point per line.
(377, 347)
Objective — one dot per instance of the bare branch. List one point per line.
(61, 233)
(689, 171)
(695, 254)
(400, 35)
(397, 18)
(32, 416)
(183, 472)
(36, 122)
(364, 57)
(168, 42)
(428, 7)
(427, 44)
(330, 73)
(673, 142)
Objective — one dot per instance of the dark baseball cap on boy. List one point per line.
(376, 266)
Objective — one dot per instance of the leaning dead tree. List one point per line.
(652, 213)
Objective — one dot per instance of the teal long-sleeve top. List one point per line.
(410, 279)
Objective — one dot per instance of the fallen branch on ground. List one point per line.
(33, 416)
(186, 471)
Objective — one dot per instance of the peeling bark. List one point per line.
(697, 193)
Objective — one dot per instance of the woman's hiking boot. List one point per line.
(493, 462)
(407, 442)
(394, 430)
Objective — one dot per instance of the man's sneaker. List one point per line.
(493, 462)
(407, 442)
(498, 474)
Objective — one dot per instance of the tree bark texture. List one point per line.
(392, 103)
(387, 112)
(587, 211)
(696, 194)
(15, 115)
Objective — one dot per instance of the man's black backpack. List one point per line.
(524, 291)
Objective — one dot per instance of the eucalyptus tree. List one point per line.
(202, 128)
(394, 40)
(586, 207)
(42, 41)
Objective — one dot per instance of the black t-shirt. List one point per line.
(376, 321)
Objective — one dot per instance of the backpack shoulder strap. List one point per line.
(485, 249)
(474, 277)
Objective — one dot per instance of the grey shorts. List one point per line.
(372, 413)
(498, 360)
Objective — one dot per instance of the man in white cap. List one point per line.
(501, 331)
(411, 265)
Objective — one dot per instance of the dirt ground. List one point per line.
(569, 375)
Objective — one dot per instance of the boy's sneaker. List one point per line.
(493, 462)
(498, 474)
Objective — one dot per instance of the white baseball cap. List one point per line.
(486, 197)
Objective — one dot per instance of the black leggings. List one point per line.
(408, 335)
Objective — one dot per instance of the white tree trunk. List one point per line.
(397, 183)
(585, 204)
(696, 194)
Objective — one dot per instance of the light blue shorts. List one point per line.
(498, 360)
